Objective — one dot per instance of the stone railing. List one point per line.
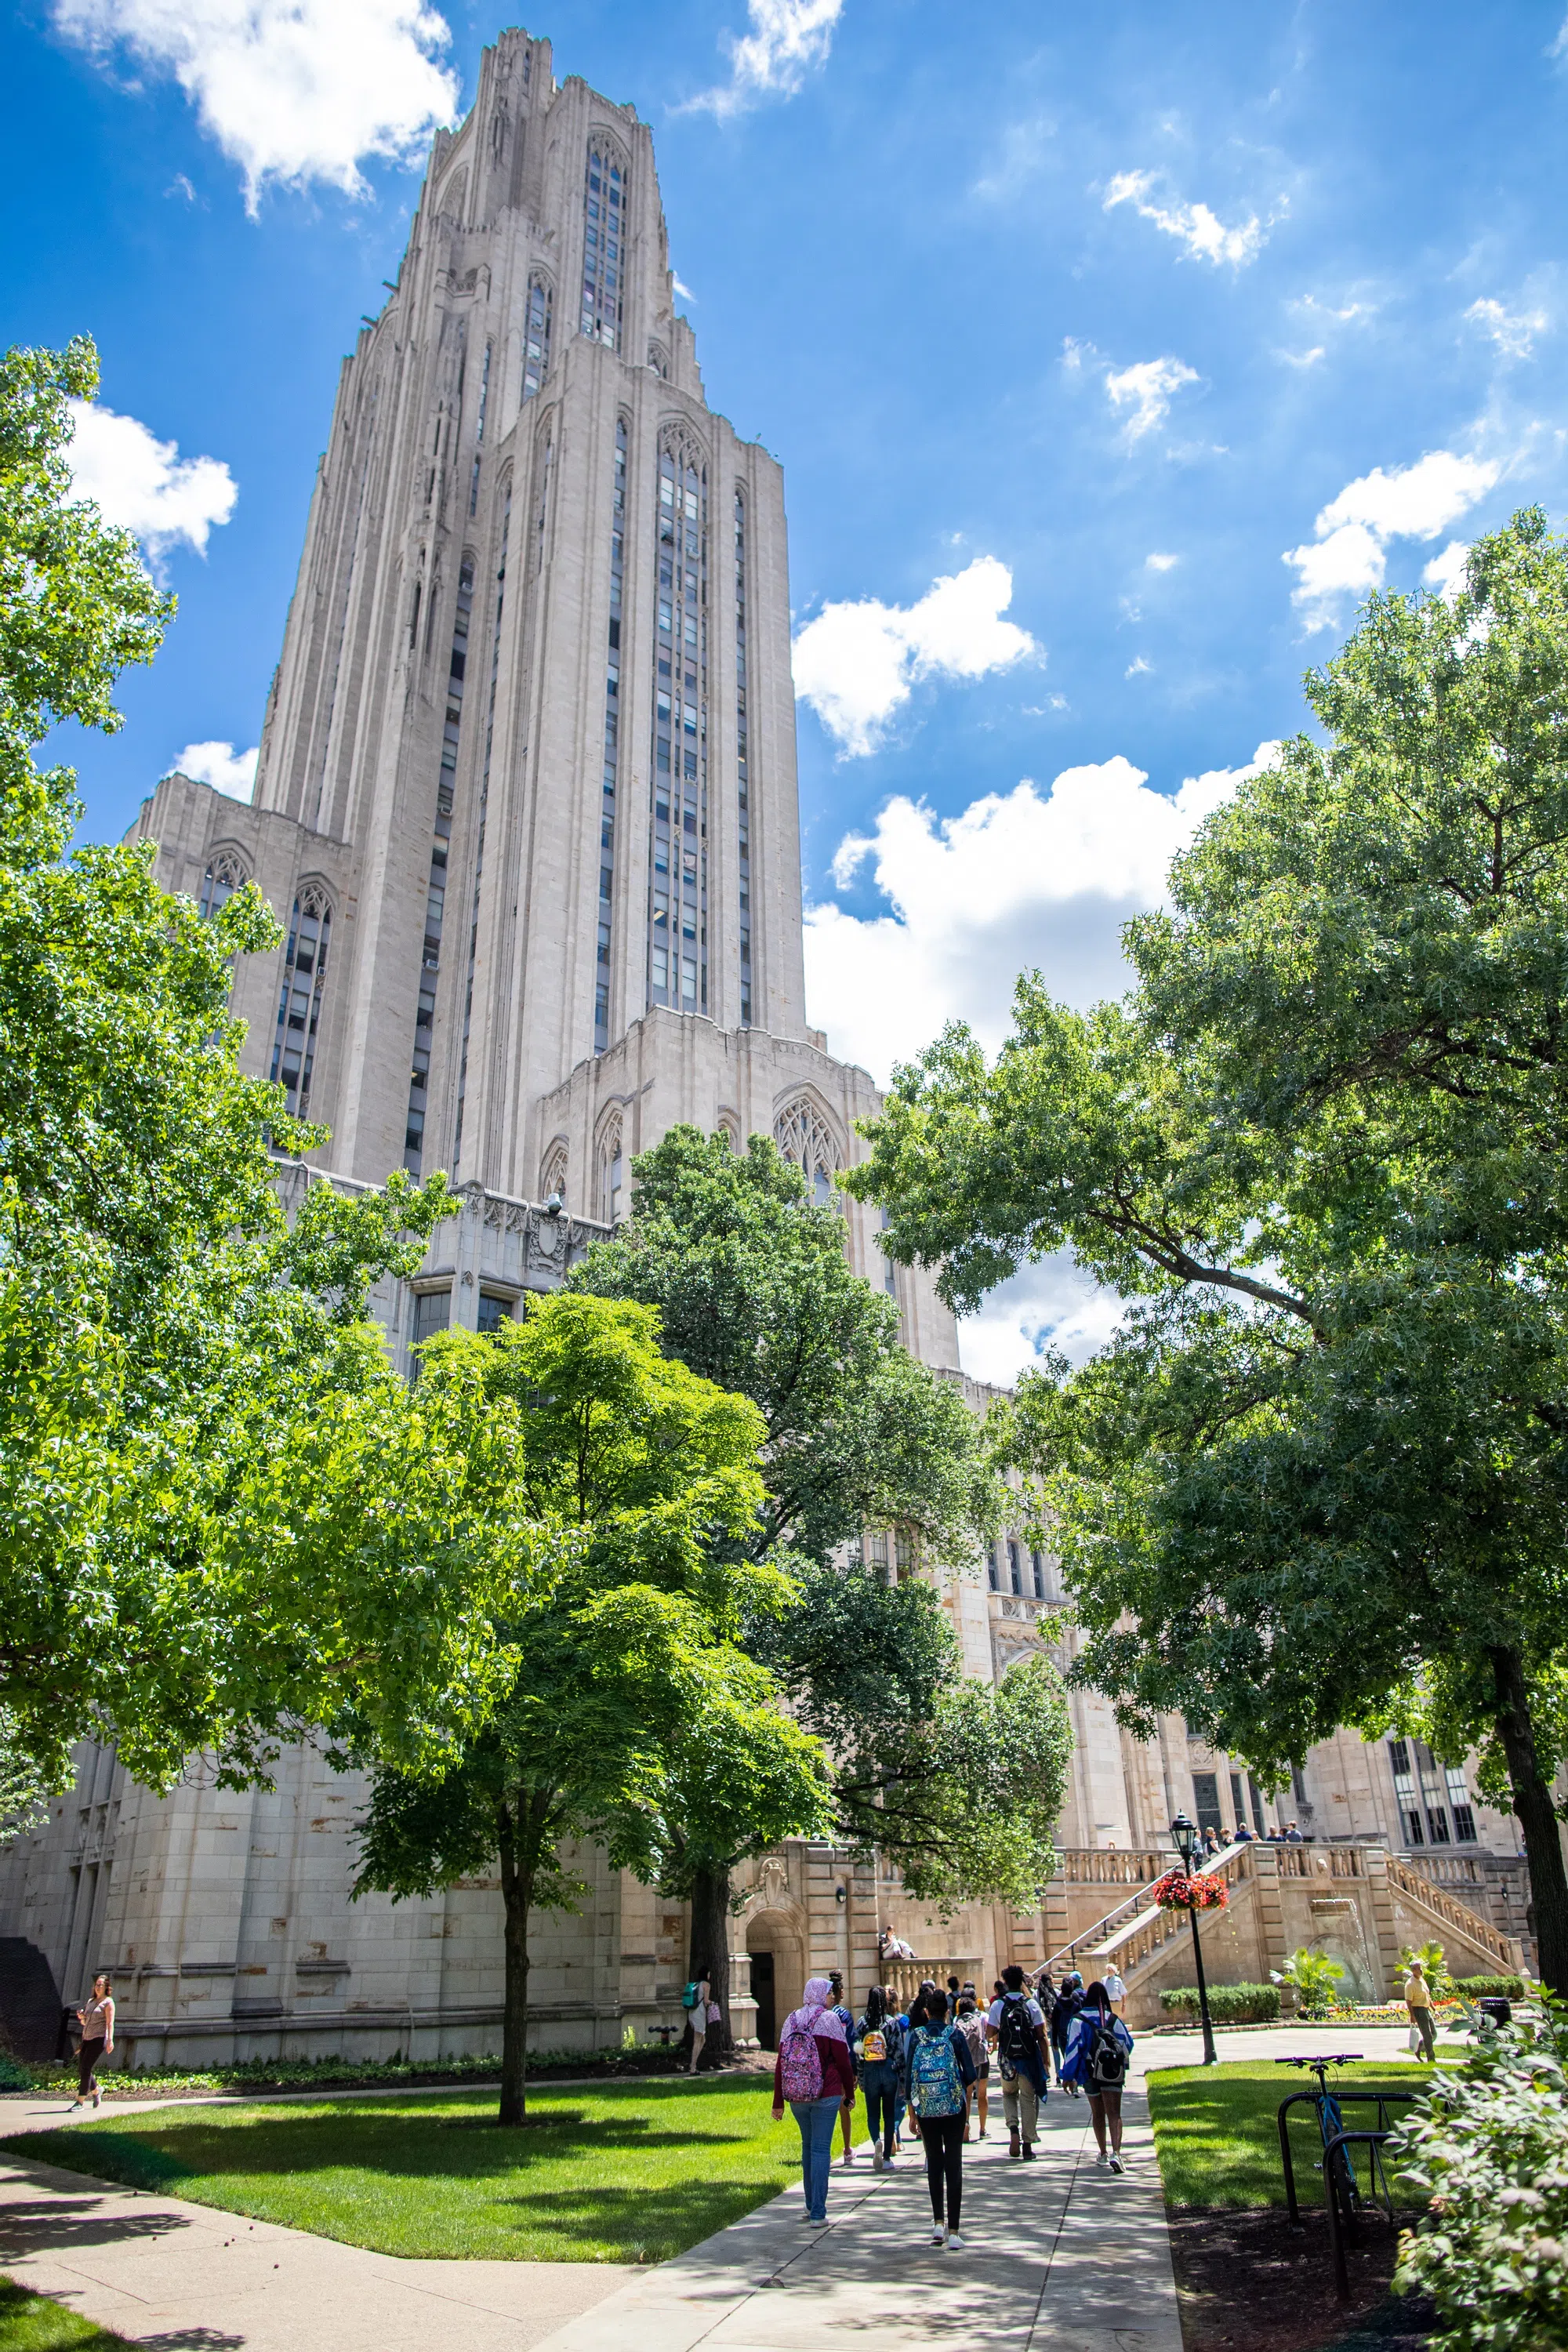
(1151, 1927)
(1457, 1915)
(1090, 1865)
(905, 1977)
(1320, 1861)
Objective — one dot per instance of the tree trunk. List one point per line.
(710, 1953)
(517, 1894)
(1537, 1819)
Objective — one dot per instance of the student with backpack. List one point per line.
(971, 2021)
(701, 2009)
(812, 2073)
(1015, 2028)
(877, 2050)
(1068, 2001)
(938, 2071)
(847, 2020)
(1098, 2048)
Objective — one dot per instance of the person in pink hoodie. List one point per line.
(813, 2075)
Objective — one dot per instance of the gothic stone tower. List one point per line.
(529, 749)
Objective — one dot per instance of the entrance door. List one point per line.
(762, 1993)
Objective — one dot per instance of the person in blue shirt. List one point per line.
(1095, 2051)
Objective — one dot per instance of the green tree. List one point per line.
(165, 1337)
(1319, 1476)
(954, 1782)
(632, 1718)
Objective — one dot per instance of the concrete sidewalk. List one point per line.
(189, 2278)
(1056, 2252)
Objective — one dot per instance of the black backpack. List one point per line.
(1015, 2034)
(1107, 2067)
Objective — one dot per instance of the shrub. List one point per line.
(1488, 2143)
(1229, 2005)
(14, 2075)
(1483, 1988)
(1312, 1977)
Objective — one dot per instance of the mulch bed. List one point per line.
(1247, 2281)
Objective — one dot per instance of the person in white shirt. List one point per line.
(1116, 1989)
(1016, 2030)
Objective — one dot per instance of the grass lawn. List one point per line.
(31, 2323)
(633, 2172)
(1218, 2140)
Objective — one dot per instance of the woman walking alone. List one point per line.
(97, 2015)
(812, 2073)
(938, 2071)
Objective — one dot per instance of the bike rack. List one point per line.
(1349, 2095)
(1338, 2237)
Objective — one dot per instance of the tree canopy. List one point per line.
(167, 1341)
(631, 1717)
(1319, 1475)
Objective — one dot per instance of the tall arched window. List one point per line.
(299, 1005)
(678, 895)
(742, 788)
(612, 746)
(553, 1175)
(803, 1136)
(612, 1171)
(604, 246)
(536, 335)
(226, 874)
(435, 896)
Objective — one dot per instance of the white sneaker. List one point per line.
(939, 2237)
(1102, 2164)
(954, 2238)
(848, 2155)
(877, 2159)
(1116, 2164)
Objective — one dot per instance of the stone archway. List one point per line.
(777, 1950)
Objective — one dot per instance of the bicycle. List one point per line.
(1339, 2173)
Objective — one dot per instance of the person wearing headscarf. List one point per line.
(814, 2074)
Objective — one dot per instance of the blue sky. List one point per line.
(1024, 296)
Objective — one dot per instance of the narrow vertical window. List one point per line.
(604, 243)
(484, 807)
(677, 910)
(414, 1141)
(536, 336)
(612, 744)
(299, 1005)
(741, 776)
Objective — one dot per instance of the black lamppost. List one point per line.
(1186, 1835)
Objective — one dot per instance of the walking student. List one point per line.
(1116, 1987)
(1098, 2048)
(1068, 2001)
(877, 2049)
(972, 2025)
(938, 2069)
(847, 2020)
(813, 2074)
(1016, 2027)
(701, 2009)
(97, 2016)
(1419, 2002)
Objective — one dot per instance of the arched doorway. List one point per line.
(778, 1971)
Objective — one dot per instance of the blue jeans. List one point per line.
(817, 2119)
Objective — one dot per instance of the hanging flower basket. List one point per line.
(1203, 1891)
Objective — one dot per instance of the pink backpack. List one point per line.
(800, 2065)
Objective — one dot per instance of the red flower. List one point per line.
(1202, 1892)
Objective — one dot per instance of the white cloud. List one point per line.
(143, 484)
(787, 39)
(1053, 1304)
(1204, 237)
(1161, 563)
(1352, 531)
(1018, 879)
(685, 292)
(1445, 572)
(856, 664)
(1303, 359)
(1137, 667)
(1146, 388)
(291, 90)
(219, 765)
(1514, 333)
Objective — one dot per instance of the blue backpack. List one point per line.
(935, 2087)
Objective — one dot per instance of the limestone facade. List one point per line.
(527, 812)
